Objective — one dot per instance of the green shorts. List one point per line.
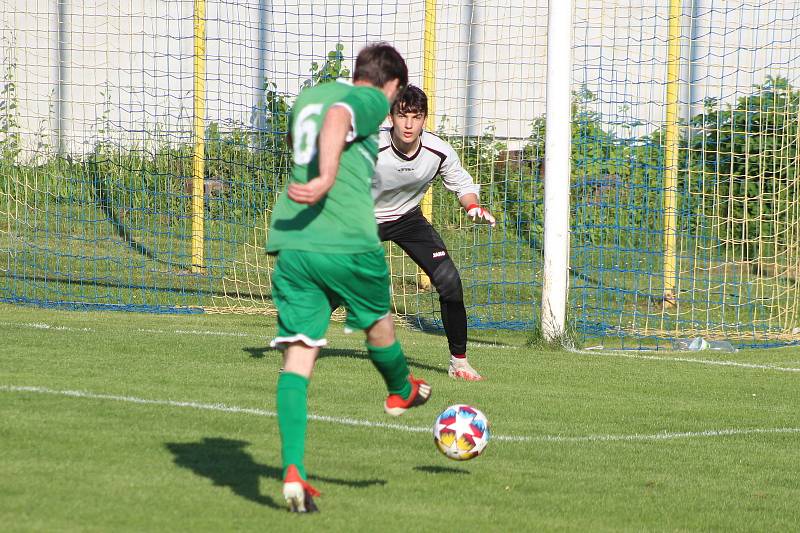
(308, 286)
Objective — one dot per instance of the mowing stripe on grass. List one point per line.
(400, 427)
(593, 353)
(609, 353)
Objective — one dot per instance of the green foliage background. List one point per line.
(743, 159)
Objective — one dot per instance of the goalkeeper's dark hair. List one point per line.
(411, 100)
(379, 64)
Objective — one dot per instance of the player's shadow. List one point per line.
(431, 469)
(435, 328)
(227, 464)
(353, 354)
(260, 353)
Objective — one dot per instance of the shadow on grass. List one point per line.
(430, 469)
(352, 354)
(227, 464)
(261, 352)
(435, 328)
(257, 352)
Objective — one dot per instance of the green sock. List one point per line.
(391, 363)
(292, 410)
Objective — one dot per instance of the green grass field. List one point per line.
(127, 422)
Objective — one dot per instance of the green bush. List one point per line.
(742, 159)
(479, 156)
(615, 182)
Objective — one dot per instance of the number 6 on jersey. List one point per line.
(305, 134)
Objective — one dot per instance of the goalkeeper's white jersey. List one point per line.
(401, 180)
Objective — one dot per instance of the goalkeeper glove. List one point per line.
(477, 213)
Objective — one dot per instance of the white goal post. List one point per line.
(557, 174)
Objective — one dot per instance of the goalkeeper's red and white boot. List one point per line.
(461, 369)
(298, 493)
(396, 405)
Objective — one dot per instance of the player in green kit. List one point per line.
(324, 233)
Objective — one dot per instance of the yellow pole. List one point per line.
(198, 160)
(429, 86)
(671, 153)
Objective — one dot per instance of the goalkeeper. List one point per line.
(324, 234)
(409, 159)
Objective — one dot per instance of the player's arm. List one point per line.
(332, 139)
(468, 200)
(458, 180)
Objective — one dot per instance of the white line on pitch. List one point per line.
(665, 435)
(41, 325)
(206, 332)
(51, 327)
(410, 429)
(711, 362)
(208, 407)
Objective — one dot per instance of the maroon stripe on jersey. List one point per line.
(400, 154)
(442, 157)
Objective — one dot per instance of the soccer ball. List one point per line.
(461, 432)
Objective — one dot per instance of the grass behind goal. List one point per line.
(130, 422)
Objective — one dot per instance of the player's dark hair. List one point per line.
(379, 64)
(412, 100)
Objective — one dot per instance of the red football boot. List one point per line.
(298, 492)
(396, 405)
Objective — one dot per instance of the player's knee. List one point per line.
(448, 282)
(381, 333)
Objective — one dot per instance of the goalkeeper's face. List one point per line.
(407, 126)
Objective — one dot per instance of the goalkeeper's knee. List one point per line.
(447, 281)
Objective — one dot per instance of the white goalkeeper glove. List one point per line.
(477, 213)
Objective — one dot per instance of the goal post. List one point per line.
(198, 156)
(558, 170)
(671, 151)
(429, 86)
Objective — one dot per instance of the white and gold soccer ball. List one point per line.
(461, 432)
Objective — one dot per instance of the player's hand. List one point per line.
(479, 214)
(310, 193)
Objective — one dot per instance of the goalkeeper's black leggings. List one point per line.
(414, 234)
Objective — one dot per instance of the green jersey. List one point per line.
(344, 220)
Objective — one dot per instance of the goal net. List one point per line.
(143, 144)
